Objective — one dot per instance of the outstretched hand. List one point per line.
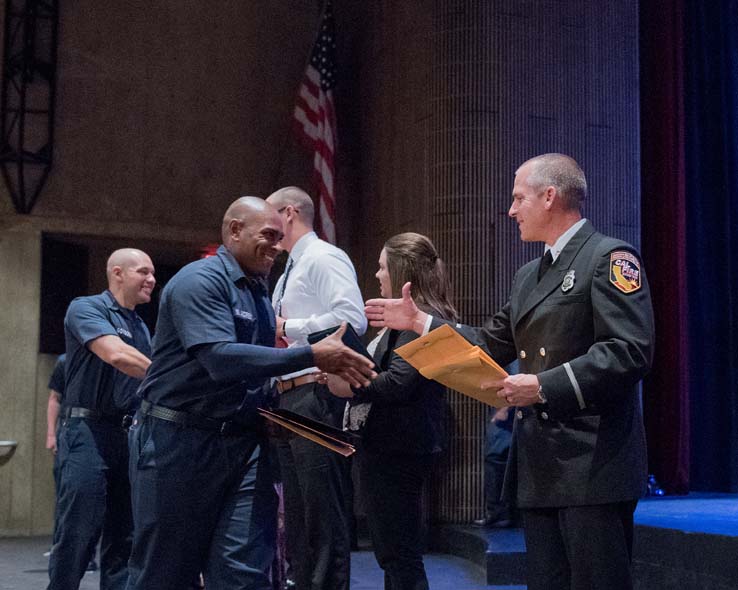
(331, 355)
(397, 314)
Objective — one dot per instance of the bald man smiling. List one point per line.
(108, 348)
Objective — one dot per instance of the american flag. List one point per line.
(315, 121)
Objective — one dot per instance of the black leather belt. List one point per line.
(121, 420)
(226, 428)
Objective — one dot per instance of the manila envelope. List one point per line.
(447, 357)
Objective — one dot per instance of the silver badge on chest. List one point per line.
(568, 282)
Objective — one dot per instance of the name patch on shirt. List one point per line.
(124, 332)
(242, 313)
(625, 271)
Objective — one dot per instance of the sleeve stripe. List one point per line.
(575, 385)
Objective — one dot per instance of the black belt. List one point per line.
(226, 428)
(122, 420)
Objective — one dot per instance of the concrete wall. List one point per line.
(20, 277)
(458, 93)
(165, 113)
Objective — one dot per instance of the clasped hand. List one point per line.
(331, 355)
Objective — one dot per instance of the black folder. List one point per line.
(325, 435)
(350, 339)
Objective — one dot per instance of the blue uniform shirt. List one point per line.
(207, 302)
(56, 381)
(91, 382)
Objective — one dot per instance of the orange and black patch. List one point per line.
(625, 271)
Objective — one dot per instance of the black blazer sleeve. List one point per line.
(399, 382)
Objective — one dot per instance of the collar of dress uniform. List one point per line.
(538, 291)
(564, 239)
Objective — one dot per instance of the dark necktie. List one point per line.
(546, 263)
(278, 307)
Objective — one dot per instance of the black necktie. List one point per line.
(546, 263)
(278, 307)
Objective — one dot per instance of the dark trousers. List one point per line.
(579, 547)
(56, 471)
(496, 450)
(93, 500)
(393, 489)
(316, 489)
(202, 502)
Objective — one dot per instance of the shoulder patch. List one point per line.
(625, 271)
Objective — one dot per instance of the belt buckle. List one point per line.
(286, 385)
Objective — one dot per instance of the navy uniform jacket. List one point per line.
(589, 338)
(407, 408)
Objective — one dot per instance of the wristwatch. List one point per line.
(541, 396)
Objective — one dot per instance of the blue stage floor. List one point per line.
(686, 542)
(716, 514)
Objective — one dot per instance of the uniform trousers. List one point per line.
(93, 499)
(392, 484)
(316, 496)
(56, 471)
(496, 451)
(579, 547)
(202, 502)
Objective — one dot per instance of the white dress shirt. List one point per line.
(321, 292)
(564, 238)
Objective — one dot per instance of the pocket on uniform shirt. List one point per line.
(244, 328)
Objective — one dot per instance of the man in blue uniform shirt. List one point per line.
(108, 349)
(203, 499)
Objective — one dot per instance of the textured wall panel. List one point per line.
(489, 84)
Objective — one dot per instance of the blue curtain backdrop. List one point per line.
(689, 141)
(711, 164)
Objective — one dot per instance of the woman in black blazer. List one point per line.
(402, 430)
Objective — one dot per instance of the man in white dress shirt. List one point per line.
(318, 290)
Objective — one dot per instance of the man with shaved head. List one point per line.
(203, 499)
(318, 290)
(108, 349)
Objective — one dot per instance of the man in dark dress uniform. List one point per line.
(579, 321)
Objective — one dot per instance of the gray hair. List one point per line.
(564, 174)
